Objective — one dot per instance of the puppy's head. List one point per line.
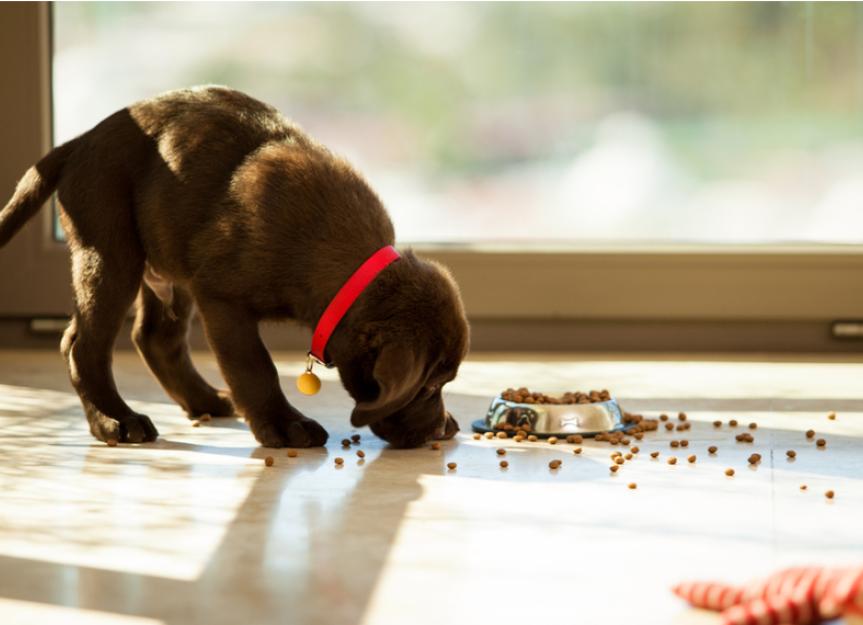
(407, 338)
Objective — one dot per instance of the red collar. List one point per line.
(346, 296)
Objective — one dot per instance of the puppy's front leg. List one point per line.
(251, 375)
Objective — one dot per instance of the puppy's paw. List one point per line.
(218, 404)
(131, 428)
(293, 432)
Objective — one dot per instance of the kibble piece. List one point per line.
(681, 416)
(654, 454)
(669, 426)
(733, 423)
(712, 449)
(810, 433)
(821, 442)
(832, 416)
(489, 435)
(753, 426)
(435, 445)
(754, 458)
(717, 424)
(663, 417)
(552, 440)
(346, 442)
(451, 466)
(634, 449)
(729, 472)
(803, 487)
(532, 438)
(501, 452)
(361, 453)
(672, 460)
(577, 450)
(628, 456)
(577, 439)
(340, 461)
(674, 443)
(830, 494)
(196, 424)
(637, 435)
(682, 427)
(554, 464)
(614, 468)
(292, 453)
(355, 438)
(269, 461)
(476, 437)
(619, 460)
(503, 464)
(791, 453)
(691, 459)
(502, 435)
(684, 443)
(632, 486)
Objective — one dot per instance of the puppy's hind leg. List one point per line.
(105, 282)
(161, 336)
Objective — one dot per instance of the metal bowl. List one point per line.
(546, 420)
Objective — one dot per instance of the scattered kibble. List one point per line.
(196, 424)
(575, 439)
(269, 461)
(292, 453)
(832, 416)
(669, 426)
(554, 464)
(632, 486)
(717, 424)
(435, 445)
(476, 437)
(803, 487)
(532, 438)
(654, 454)
(552, 440)
(672, 460)
(346, 442)
(634, 449)
(733, 423)
(361, 453)
(501, 452)
(682, 427)
(684, 443)
(663, 417)
(754, 458)
(810, 433)
(691, 459)
(628, 456)
(614, 468)
(681, 416)
(821, 442)
(830, 494)
(340, 461)
(745, 437)
(451, 466)
(753, 426)
(791, 453)
(503, 464)
(675, 443)
(619, 460)
(489, 435)
(502, 435)
(729, 472)
(577, 450)
(711, 450)
(356, 438)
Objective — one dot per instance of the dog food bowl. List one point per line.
(546, 420)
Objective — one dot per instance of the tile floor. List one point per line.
(195, 529)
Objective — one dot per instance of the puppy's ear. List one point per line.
(398, 371)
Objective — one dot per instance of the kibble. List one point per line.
(196, 424)
(821, 442)
(361, 453)
(619, 460)
(733, 423)
(681, 416)
(717, 424)
(691, 459)
(269, 461)
(753, 426)
(810, 433)
(532, 438)
(830, 494)
(476, 437)
(435, 445)
(754, 458)
(684, 443)
(632, 486)
(292, 453)
(577, 450)
(554, 464)
(663, 417)
(356, 438)
(502, 435)
(634, 449)
(654, 454)
(803, 487)
(745, 437)
(674, 443)
(552, 440)
(501, 452)
(503, 464)
(575, 439)
(340, 461)
(451, 466)
(346, 442)
(669, 426)
(489, 435)
(682, 427)
(791, 454)
(672, 460)
(614, 468)
(729, 472)
(832, 416)
(711, 450)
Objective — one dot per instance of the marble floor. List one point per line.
(194, 528)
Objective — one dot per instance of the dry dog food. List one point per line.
(803, 487)
(577, 450)
(502, 435)
(346, 442)
(292, 453)
(691, 459)
(711, 450)
(503, 464)
(821, 442)
(489, 435)
(672, 460)
(681, 416)
(717, 424)
(476, 437)
(634, 449)
(532, 438)
(729, 472)
(745, 437)
(654, 454)
(614, 468)
(830, 494)
(663, 417)
(733, 423)
(340, 461)
(669, 426)
(451, 466)
(674, 443)
(791, 453)
(361, 453)
(754, 458)
(575, 439)
(628, 456)
(554, 464)
(269, 461)
(355, 438)
(196, 424)
(619, 460)
(435, 445)
(832, 416)
(552, 440)
(525, 396)
(753, 426)
(684, 443)
(501, 452)
(810, 433)
(632, 486)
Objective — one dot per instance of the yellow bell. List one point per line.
(309, 383)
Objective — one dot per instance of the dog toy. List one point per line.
(796, 596)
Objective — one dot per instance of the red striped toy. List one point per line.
(798, 596)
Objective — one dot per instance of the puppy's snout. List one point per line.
(448, 429)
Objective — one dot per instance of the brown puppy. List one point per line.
(206, 197)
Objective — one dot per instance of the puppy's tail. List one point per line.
(33, 191)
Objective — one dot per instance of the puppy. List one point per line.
(207, 198)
